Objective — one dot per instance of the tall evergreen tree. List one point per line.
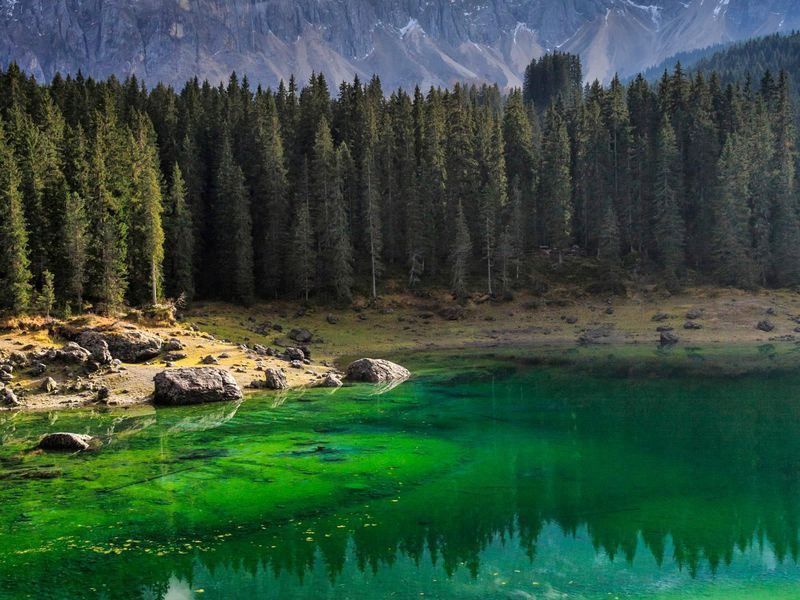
(668, 228)
(108, 197)
(74, 243)
(233, 228)
(460, 255)
(555, 184)
(145, 230)
(15, 275)
(179, 240)
(303, 254)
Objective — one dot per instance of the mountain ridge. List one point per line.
(425, 42)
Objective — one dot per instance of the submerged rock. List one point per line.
(65, 442)
(376, 370)
(195, 386)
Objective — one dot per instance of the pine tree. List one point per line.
(372, 220)
(15, 275)
(270, 201)
(555, 184)
(47, 295)
(608, 248)
(493, 190)
(74, 242)
(731, 256)
(106, 210)
(669, 228)
(460, 255)
(145, 231)
(233, 228)
(303, 254)
(340, 260)
(179, 240)
(786, 225)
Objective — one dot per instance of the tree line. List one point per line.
(111, 193)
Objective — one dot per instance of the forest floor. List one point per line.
(402, 323)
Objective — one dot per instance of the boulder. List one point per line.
(9, 398)
(175, 356)
(97, 347)
(210, 360)
(275, 380)
(659, 317)
(65, 442)
(694, 313)
(129, 345)
(376, 370)
(196, 385)
(49, 385)
(332, 319)
(38, 369)
(692, 325)
(71, 353)
(173, 345)
(331, 381)
(5, 376)
(668, 338)
(301, 336)
(765, 326)
(293, 354)
(453, 313)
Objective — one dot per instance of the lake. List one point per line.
(483, 477)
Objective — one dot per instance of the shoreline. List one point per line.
(402, 324)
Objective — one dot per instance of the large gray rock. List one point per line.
(195, 386)
(9, 398)
(376, 370)
(130, 345)
(275, 380)
(97, 347)
(72, 353)
(66, 442)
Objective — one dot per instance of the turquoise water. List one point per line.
(480, 478)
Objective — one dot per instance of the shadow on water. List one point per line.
(480, 474)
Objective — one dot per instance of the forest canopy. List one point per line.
(111, 193)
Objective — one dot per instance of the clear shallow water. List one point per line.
(479, 479)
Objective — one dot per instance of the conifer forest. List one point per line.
(112, 194)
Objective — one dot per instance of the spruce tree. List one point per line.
(372, 218)
(460, 255)
(15, 275)
(74, 244)
(145, 230)
(730, 249)
(270, 201)
(108, 195)
(340, 258)
(555, 183)
(669, 228)
(303, 255)
(608, 247)
(233, 228)
(179, 240)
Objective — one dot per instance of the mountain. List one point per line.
(430, 42)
